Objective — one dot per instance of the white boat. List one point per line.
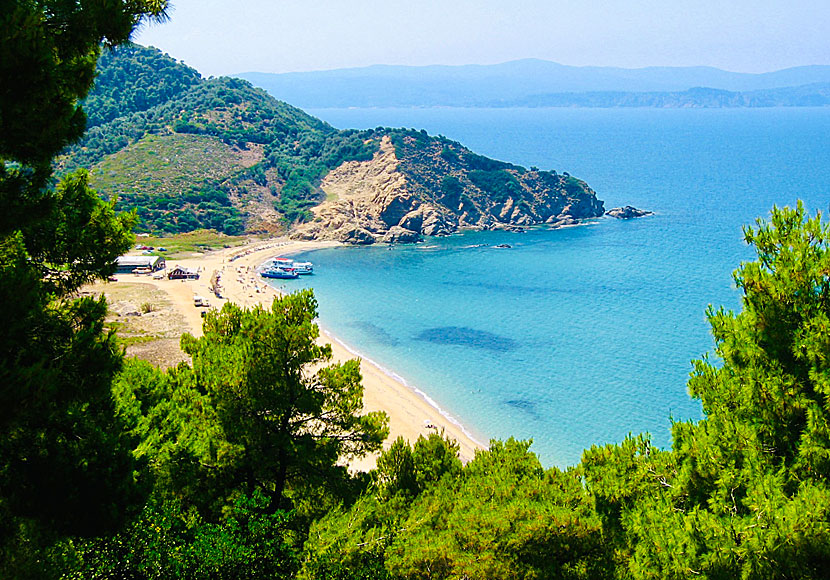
(304, 267)
(279, 272)
(300, 267)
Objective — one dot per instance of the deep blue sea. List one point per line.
(576, 336)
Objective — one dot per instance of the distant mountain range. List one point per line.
(538, 83)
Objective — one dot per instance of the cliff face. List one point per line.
(419, 185)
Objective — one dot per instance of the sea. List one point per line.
(578, 336)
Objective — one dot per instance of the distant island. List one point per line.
(537, 83)
(812, 95)
(189, 153)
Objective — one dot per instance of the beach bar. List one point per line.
(179, 273)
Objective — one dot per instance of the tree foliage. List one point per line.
(258, 410)
(49, 52)
(65, 466)
(500, 516)
(292, 421)
(171, 542)
(243, 447)
(133, 78)
(744, 491)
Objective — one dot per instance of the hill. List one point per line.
(189, 153)
(521, 83)
(416, 184)
(812, 95)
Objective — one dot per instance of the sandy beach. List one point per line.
(410, 414)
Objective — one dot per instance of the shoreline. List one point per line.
(412, 412)
(399, 381)
(476, 439)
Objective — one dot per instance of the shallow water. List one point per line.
(580, 335)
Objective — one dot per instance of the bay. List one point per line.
(577, 336)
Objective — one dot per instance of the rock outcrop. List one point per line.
(628, 212)
(417, 186)
(400, 235)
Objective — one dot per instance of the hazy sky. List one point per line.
(224, 37)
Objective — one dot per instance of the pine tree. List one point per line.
(65, 466)
(744, 494)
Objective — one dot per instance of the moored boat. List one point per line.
(304, 267)
(300, 267)
(281, 272)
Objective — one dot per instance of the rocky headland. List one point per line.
(416, 185)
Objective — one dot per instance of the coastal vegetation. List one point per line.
(741, 493)
(196, 241)
(189, 153)
(232, 465)
(66, 466)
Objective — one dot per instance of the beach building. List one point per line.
(179, 273)
(127, 264)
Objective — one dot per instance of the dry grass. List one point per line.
(191, 243)
(145, 321)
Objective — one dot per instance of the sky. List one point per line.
(224, 37)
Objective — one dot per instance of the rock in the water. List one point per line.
(435, 224)
(628, 212)
(413, 220)
(561, 221)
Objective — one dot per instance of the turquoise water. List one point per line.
(581, 335)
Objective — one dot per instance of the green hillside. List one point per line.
(133, 79)
(204, 153)
(166, 164)
(156, 175)
(189, 153)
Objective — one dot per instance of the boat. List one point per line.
(281, 272)
(304, 267)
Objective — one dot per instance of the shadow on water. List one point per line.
(584, 289)
(376, 333)
(464, 336)
(528, 407)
